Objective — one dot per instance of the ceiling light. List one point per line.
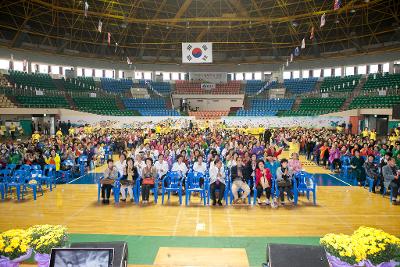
(353, 11)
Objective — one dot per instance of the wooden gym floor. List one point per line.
(170, 235)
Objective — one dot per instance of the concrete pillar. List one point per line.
(116, 74)
(391, 67)
(75, 71)
(29, 67)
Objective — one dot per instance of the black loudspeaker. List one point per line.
(285, 255)
(120, 250)
(396, 112)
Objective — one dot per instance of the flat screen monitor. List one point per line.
(81, 257)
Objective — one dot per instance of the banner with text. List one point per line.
(197, 53)
(208, 86)
(210, 77)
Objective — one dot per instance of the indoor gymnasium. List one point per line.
(227, 133)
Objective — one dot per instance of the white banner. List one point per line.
(38, 92)
(210, 77)
(92, 95)
(289, 122)
(208, 86)
(197, 53)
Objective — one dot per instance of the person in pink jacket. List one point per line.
(294, 163)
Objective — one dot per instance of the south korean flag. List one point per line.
(197, 53)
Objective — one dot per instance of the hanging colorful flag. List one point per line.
(337, 4)
(86, 8)
(128, 61)
(109, 38)
(297, 51)
(303, 43)
(291, 57)
(322, 21)
(312, 33)
(100, 26)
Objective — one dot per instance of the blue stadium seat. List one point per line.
(299, 86)
(116, 86)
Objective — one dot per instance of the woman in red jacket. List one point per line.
(263, 182)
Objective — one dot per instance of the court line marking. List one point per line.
(70, 182)
(338, 179)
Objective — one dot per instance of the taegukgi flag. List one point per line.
(197, 53)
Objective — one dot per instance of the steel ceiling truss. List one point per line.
(153, 29)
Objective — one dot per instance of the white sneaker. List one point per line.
(258, 201)
(267, 202)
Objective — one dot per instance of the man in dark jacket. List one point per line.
(267, 136)
(239, 182)
(391, 174)
(372, 171)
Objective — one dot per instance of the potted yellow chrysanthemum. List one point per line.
(367, 246)
(14, 247)
(44, 238)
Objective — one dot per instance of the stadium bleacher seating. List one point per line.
(161, 87)
(379, 81)
(77, 85)
(252, 112)
(272, 104)
(116, 86)
(253, 86)
(34, 80)
(188, 87)
(5, 102)
(42, 101)
(266, 107)
(102, 106)
(375, 101)
(159, 112)
(143, 103)
(149, 106)
(316, 106)
(300, 86)
(208, 115)
(339, 84)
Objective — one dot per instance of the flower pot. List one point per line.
(336, 262)
(6, 262)
(42, 260)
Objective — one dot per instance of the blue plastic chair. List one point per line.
(240, 190)
(28, 184)
(370, 182)
(16, 181)
(36, 167)
(346, 168)
(11, 167)
(295, 192)
(226, 192)
(66, 174)
(193, 185)
(5, 175)
(37, 175)
(306, 184)
(154, 189)
(172, 183)
(49, 176)
(107, 153)
(116, 189)
(25, 167)
(82, 161)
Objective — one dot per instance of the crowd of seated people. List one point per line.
(246, 161)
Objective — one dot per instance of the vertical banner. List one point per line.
(197, 53)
